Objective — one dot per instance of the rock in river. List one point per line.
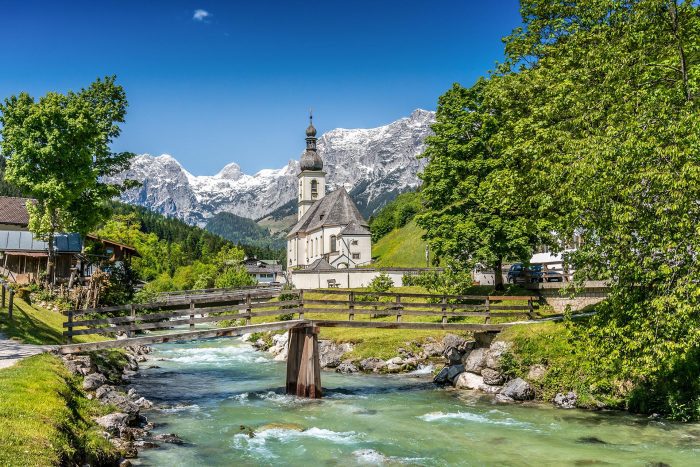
(518, 389)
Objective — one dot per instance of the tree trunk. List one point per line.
(498, 274)
(50, 261)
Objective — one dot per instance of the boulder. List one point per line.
(432, 349)
(346, 367)
(113, 423)
(454, 371)
(102, 391)
(143, 403)
(453, 355)
(518, 389)
(452, 341)
(565, 401)
(331, 354)
(489, 388)
(94, 381)
(120, 401)
(503, 399)
(372, 364)
(536, 372)
(493, 377)
(493, 355)
(441, 377)
(279, 346)
(468, 380)
(475, 361)
(171, 438)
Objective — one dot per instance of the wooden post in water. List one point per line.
(303, 364)
(191, 314)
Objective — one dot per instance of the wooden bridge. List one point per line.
(301, 312)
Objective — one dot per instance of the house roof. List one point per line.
(106, 241)
(320, 265)
(355, 229)
(22, 241)
(263, 269)
(336, 208)
(13, 211)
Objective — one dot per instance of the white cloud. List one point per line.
(201, 15)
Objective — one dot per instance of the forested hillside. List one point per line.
(245, 231)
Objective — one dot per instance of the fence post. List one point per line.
(132, 313)
(248, 309)
(488, 310)
(301, 304)
(12, 302)
(191, 314)
(69, 338)
(398, 308)
(4, 286)
(351, 316)
(444, 309)
(530, 309)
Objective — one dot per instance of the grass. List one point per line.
(384, 343)
(45, 420)
(568, 364)
(402, 247)
(36, 325)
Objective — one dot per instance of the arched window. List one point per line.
(314, 188)
(334, 246)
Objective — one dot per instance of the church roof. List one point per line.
(334, 209)
(355, 229)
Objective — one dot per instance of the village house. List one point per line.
(24, 258)
(329, 227)
(264, 271)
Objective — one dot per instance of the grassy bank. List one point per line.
(402, 247)
(45, 420)
(33, 324)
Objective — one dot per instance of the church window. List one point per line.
(334, 246)
(355, 256)
(354, 242)
(314, 188)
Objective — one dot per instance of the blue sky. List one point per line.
(234, 81)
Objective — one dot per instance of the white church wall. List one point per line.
(345, 278)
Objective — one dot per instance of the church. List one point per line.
(330, 231)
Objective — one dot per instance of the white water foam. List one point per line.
(214, 355)
(472, 417)
(372, 457)
(258, 444)
(180, 408)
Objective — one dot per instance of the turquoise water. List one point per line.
(213, 388)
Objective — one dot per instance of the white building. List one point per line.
(329, 227)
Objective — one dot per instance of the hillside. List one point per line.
(402, 247)
(244, 231)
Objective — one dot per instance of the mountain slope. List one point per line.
(243, 230)
(402, 248)
(373, 164)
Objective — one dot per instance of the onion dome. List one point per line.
(310, 160)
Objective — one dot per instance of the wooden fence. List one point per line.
(245, 306)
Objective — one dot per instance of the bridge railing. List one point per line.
(363, 309)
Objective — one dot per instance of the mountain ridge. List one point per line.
(373, 164)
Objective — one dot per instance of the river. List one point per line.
(226, 400)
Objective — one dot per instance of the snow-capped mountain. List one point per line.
(373, 164)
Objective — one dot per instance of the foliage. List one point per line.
(381, 283)
(46, 420)
(590, 127)
(242, 230)
(480, 202)
(395, 215)
(284, 296)
(57, 151)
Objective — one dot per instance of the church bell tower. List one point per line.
(312, 178)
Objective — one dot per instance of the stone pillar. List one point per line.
(303, 364)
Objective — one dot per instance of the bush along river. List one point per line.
(226, 401)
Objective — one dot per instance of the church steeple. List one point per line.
(312, 179)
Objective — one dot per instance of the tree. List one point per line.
(481, 202)
(613, 132)
(57, 151)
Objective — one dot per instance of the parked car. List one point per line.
(533, 272)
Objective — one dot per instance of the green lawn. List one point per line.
(45, 420)
(402, 247)
(36, 325)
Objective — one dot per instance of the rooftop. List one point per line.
(334, 209)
